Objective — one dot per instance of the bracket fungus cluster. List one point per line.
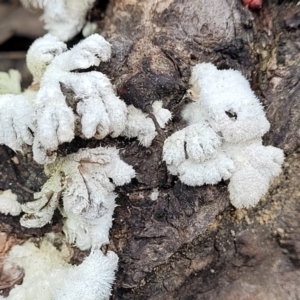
(223, 139)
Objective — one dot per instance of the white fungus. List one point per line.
(16, 121)
(10, 82)
(62, 18)
(141, 126)
(223, 138)
(49, 275)
(9, 204)
(99, 111)
(86, 180)
(44, 117)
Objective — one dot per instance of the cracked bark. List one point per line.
(190, 243)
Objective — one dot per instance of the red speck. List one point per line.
(253, 4)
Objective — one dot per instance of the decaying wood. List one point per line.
(189, 243)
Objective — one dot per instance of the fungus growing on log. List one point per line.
(86, 181)
(45, 117)
(63, 18)
(223, 138)
(48, 272)
(9, 204)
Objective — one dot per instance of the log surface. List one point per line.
(190, 243)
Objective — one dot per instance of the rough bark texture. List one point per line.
(189, 243)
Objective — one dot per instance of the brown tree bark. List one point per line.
(190, 243)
